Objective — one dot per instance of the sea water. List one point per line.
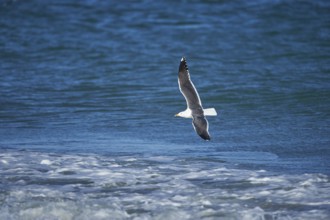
(88, 94)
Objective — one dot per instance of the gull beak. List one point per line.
(176, 115)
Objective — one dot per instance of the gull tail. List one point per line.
(210, 112)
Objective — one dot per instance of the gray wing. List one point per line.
(187, 88)
(201, 127)
(190, 93)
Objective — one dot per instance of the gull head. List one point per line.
(178, 115)
(184, 114)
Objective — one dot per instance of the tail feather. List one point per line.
(210, 112)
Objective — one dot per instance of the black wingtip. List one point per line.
(205, 137)
(183, 64)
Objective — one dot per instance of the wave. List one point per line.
(37, 185)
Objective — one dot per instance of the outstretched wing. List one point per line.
(187, 88)
(201, 127)
(194, 103)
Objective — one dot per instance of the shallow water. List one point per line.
(89, 90)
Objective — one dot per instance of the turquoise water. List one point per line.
(89, 92)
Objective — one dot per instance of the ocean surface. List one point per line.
(88, 94)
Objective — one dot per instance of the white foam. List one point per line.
(253, 214)
(152, 187)
(46, 162)
(4, 162)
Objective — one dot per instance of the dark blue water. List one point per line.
(89, 92)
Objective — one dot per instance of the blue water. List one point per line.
(89, 92)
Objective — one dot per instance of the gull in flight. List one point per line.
(194, 105)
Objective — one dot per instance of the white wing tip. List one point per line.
(183, 59)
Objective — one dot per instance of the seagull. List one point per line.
(194, 105)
